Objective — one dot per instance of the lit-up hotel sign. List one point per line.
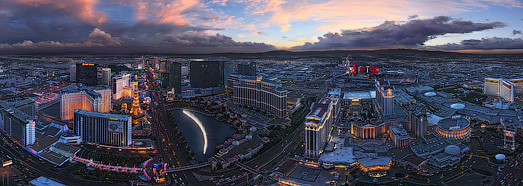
(87, 64)
(7, 163)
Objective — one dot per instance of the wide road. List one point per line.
(23, 159)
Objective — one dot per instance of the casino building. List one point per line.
(319, 123)
(265, 94)
(504, 88)
(456, 127)
(103, 128)
(77, 96)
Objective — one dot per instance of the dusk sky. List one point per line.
(207, 26)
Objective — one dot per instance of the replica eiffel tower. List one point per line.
(136, 112)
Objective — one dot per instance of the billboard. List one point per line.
(115, 126)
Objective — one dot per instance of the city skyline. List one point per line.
(193, 26)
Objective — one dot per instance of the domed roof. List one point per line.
(457, 106)
(500, 156)
(235, 143)
(430, 94)
(249, 137)
(452, 150)
(253, 129)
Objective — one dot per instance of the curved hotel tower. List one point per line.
(265, 94)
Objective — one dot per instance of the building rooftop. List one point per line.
(375, 161)
(43, 181)
(78, 87)
(399, 131)
(54, 157)
(416, 160)
(359, 95)
(454, 123)
(103, 115)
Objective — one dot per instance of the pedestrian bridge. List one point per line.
(175, 169)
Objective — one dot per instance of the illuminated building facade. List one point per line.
(504, 88)
(368, 129)
(103, 128)
(121, 86)
(135, 109)
(509, 137)
(86, 73)
(319, 123)
(18, 126)
(456, 127)
(106, 76)
(265, 94)
(373, 164)
(399, 136)
(385, 97)
(77, 96)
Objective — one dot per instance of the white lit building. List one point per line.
(121, 86)
(103, 128)
(265, 94)
(77, 96)
(319, 123)
(18, 125)
(385, 97)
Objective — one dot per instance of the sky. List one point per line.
(212, 26)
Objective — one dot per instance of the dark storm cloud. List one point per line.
(218, 40)
(413, 16)
(483, 44)
(514, 32)
(47, 25)
(393, 34)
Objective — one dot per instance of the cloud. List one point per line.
(393, 34)
(483, 44)
(514, 32)
(83, 10)
(342, 14)
(101, 41)
(97, 38)
(218, 40)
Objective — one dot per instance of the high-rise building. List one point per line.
(265, 94)
(103, 128)
(504, 88)
(230, 81)
(228, 68)
(509, 137)
(106, 76)
(77, 96)
(72, 73)
(86, 73)
(417, 122)
(206, 74)
(18, 126)
(247, 69)
(385, 97)
(319, 123)
(121, 86)
(172, 77)
(185, 70)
